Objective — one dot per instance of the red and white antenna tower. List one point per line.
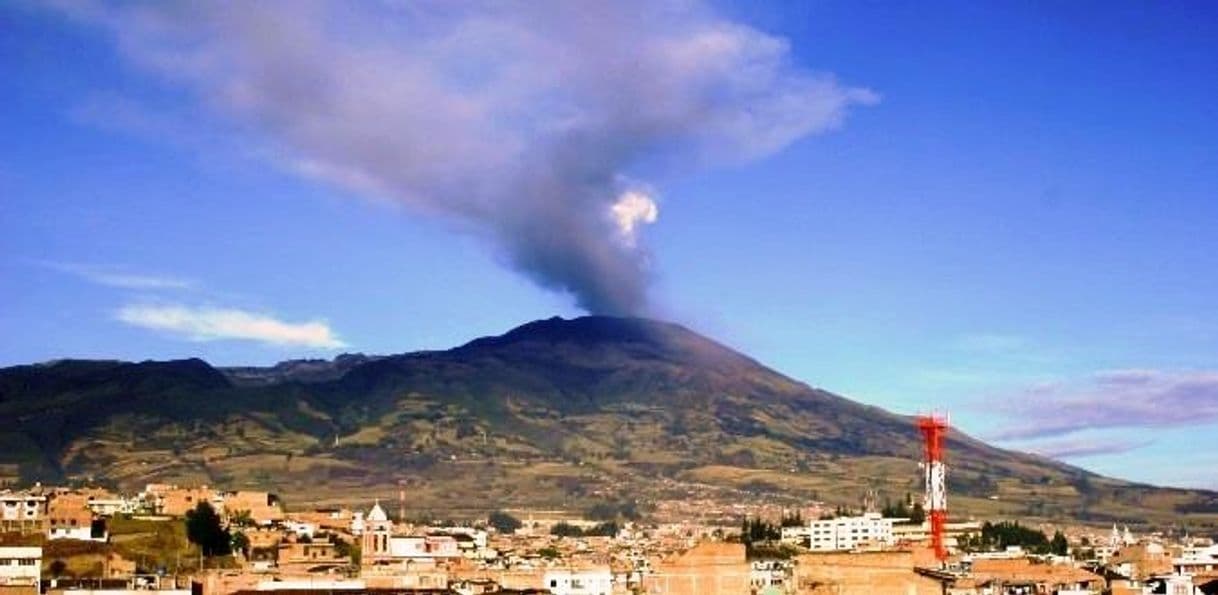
(934, 428)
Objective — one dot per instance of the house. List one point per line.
(262, 508)
(20, 570)
(172, 500)
(1024, 575)
(70, 517)
(22, 512)
(308, 557)
(1141, 561)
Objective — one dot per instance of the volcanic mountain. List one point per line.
(555, 413)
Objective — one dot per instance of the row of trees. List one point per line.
(999, 536)
(606, 529)
(608, 512)
(902, 510)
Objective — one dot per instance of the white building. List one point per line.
(585, 581)
(379, 545)
(78, 533)
(871, 530)
(112, 506)
(301, 528)
(21, 567)
(22, 513)
(1197, 561)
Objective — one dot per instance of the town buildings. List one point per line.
(20, 570)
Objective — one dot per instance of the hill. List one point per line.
(560, 413)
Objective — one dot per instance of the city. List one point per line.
(177, 540)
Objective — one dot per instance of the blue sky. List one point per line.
(1002, 210)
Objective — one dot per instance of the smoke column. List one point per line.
(521, 123)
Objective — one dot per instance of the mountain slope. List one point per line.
(555, 412)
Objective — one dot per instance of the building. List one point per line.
(1197, 561)
(310, 557)
(260, 507)
(865, 573)
(918, 533)
(710, 568)
(70, 517)
(22, 512)
(1141, 561)
(380, 546)
(20, 570)
(172, 500)
(1024, 575)
(869, 531)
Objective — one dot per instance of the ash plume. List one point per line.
(525, 123)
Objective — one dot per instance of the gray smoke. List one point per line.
(519, 122)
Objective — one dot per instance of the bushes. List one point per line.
(564, 529)
(503, 522)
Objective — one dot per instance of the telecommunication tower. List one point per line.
(934, 429)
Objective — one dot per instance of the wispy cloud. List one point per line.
(1113, 399)
(1074, 448)
(211, 324)
(112, 276)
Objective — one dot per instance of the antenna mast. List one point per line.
(934, 428)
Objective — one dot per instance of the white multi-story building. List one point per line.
(1197, 561)
(21, 567)
(584, 581)
(22, 513)
(871, 530)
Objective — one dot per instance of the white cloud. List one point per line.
(210, 324)
(633, 208)
(111, 276)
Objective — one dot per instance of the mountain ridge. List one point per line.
(553, 410)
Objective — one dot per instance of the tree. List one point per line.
(58, 567)
(240, 543)
(606, 529)
(1059, 545)
(203, 529)
(503, 522)
(241, 519)
(565, 529)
